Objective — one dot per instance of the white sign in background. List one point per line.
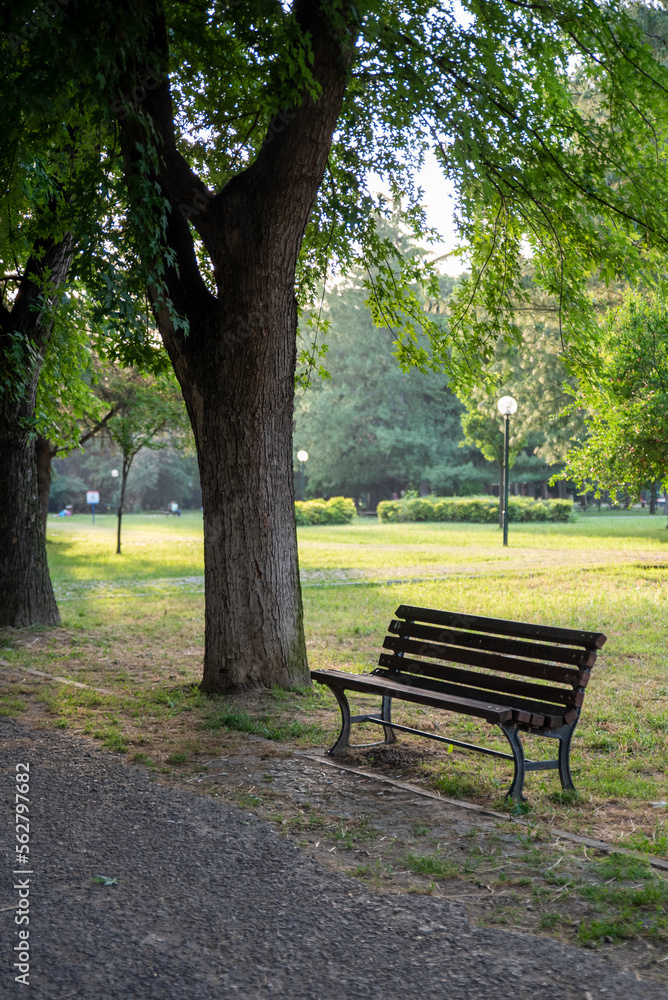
(92, 497)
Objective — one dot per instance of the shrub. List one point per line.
(560, 510)
(340, 510)
(479, 510)
(476, 510)
(337, 510)
(420, 509)
(388, 510)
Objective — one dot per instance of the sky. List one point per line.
(440, 205)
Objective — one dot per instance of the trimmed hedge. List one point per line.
(480, 510)
(337, 510)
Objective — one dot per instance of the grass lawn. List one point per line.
(133, 625)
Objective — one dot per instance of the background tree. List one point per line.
(625, 401)
(58, 174)
(155, 479)
(52, 176)
(149, 414)
(534, 370)
(485, 430)
(29, 296)
(371, 428)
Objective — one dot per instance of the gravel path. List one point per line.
(212, 903)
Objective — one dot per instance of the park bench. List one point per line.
(524, 678)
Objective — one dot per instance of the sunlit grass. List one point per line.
(368, 549)
(153, 546)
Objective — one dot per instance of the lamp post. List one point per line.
(114, 475)
(506, 405)
(302, 458)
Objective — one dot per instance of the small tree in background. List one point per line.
(150, 414)
(533, 370)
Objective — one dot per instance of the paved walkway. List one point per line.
(211, 903)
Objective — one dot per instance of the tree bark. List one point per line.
(43, 455)
(26, 594)
(127, 462)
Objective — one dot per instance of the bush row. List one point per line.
(482, 510)
(337, 510)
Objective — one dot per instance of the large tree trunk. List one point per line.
(26, 594)
(236, 365)
(254, 633)
(43, 455)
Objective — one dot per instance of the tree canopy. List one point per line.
(247, 133)
(548, 118)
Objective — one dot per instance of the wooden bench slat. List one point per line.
(590, 640)
(495, 643)
(489, 682)
(524, 709)
(481, 708)
(479, 658)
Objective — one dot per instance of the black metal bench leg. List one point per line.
(512, 735)
(343, 741)
(386, 715)
(564, 758)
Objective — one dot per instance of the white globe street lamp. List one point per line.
(507, 406)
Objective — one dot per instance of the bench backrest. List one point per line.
(541, 670)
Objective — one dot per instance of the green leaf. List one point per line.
(105, 880)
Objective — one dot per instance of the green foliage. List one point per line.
(578, 241)
(533, 371)
(485, 429)
(480, 510)
(337, 510)
(547, 121)
(151, 412)
(67, 401)
(625, 399)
